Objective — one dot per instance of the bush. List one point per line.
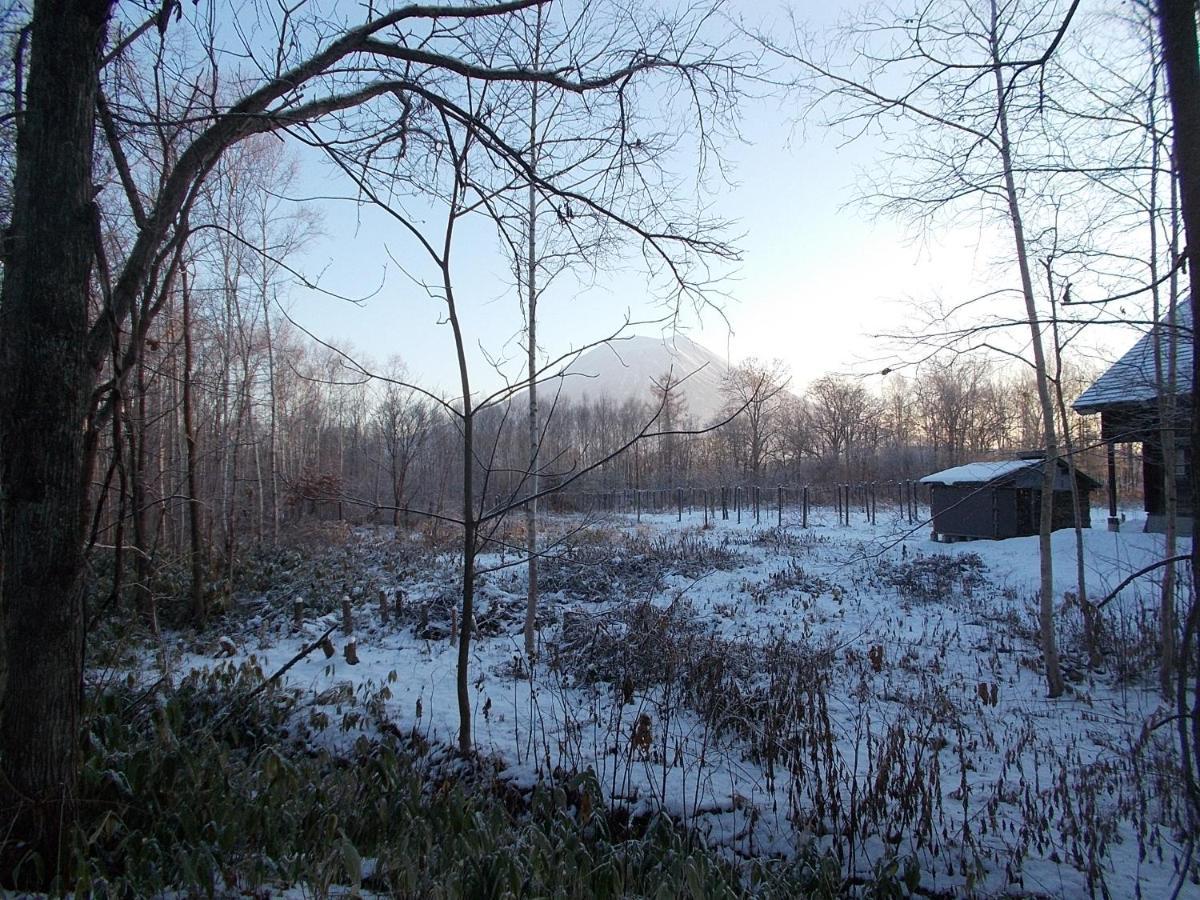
(216, 789)
(940, 577)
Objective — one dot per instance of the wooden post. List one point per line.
(804, 507)
(704, 497)
(873, 504)
(347, 616)
(298, 613)
(383, 607)
(757, 504)
(780, 507)
(638, 496)
(1114, 522)
(737, 502)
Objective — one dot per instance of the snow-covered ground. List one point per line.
(772, 687)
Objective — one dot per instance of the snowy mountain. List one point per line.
(629, 367)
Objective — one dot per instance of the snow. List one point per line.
(1131, 379)
(962, 668)
(980, 472)
(627, 369)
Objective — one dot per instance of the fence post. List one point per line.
(737, 502)
(780, 507)
(704, 497)
(804, 508)
(679, 501)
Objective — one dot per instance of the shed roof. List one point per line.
(1023, 473)
(979, 472)
(1130, 380)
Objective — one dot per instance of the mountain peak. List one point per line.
(628, 368)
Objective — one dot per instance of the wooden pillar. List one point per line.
(1114, 523)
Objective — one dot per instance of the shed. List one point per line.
(1128, 398)
(1003, 499)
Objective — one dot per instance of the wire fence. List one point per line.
(861, 501)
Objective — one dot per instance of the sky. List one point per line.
(818, 279)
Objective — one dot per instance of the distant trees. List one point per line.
(404, 422)
(757, 388)
(842, 413)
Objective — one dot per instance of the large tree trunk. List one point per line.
(1177, 25)
(45, 391)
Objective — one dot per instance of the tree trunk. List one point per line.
(531, 600)
(196, 547)
(1177, 26)
(1164, 379)
(1054, 681)
(45, 392)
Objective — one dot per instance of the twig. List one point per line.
(1138, 574)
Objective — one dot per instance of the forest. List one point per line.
(280, 617)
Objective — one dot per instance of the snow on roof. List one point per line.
(980, 472)
(1131, 378)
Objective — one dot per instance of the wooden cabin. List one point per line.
(1003, 499)
(1127, 399)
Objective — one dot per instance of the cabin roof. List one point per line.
(1130, 380)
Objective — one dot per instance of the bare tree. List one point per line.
(404, 422)
(841, 412)
(757, 387)
(962, 78)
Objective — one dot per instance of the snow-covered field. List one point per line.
(859, 687)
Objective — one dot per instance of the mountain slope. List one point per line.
(628, 369)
